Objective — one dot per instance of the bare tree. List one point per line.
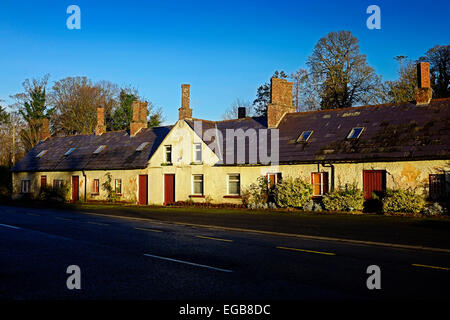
(232, 111)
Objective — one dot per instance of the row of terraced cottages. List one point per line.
(377, 147)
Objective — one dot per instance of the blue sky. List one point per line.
(224, 49)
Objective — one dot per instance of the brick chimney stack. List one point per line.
(100, 128)
(280, 101)
(185, 112)
(45, 129)
(424, 92)
(139, 120)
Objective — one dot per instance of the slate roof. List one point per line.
(392, 132)
(120, 151)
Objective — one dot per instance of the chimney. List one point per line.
(280, 101)
(100, 128)
(139, 120)
(241, 112)
(185, 112)
(424, 91)
(45, 130)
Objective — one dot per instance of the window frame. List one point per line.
(352, 132)
(277, 178)
(99, 149)
(321, 184)
(168, 150)
(23, 183)
(115, 186)
(229, 181)
(299, 140)
(202, 184)
(57, 183)
(68, 152)
(95, 186)
(142, 146)
(41, 153)
(194, 153)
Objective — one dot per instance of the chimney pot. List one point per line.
(242, 112)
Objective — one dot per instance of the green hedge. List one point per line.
(292, 192)
(403, 201)
(347, 198)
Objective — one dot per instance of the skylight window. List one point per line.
(355, 133)
(69, 151)
(40, 154)
(305, 136)
(99, 149)
(142, 146)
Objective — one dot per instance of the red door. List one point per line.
(75, 189)
(143, 189)
(169, 189)
(374, 181)
(43, 182)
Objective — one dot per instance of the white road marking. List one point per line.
(8, 226)
(186, 262)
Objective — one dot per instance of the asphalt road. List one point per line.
(130, 259)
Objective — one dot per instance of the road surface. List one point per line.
(132, 259)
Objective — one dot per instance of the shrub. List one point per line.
(312, 206)
(292, 192)
(434, 209)
(111, 193)
(347, 198)
(404, 201)
(256, 194)
(59, 193)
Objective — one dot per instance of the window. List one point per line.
(319, 181)
(355, 133)
(40, 154)
(118, 186)
(234, 184)
(304, 136)
(438, 188)
(142, 146)
(197, 184)
(25, 186)
(273, 179)
(197, 152)
(168, 154)
(99, 149)
(96, 186)
(69, 151)
(58, 184)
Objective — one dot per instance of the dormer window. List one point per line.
(69, 151)
(304, 136)
(355, 133)
(99, 149)
(142, 146)
(40, 154)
